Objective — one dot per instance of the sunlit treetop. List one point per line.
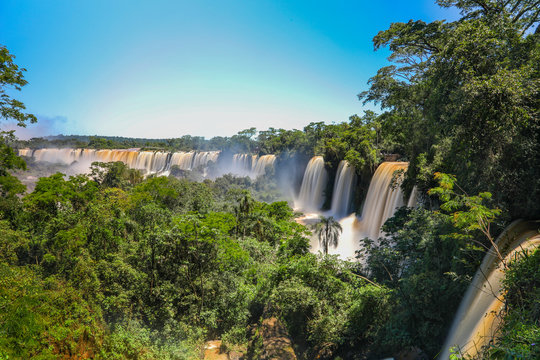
(11, 77)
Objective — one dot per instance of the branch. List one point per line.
(531, 23)
(369, 281)
(522, 12)
(515, 6)
(491, 292)
(433, 47)
(483, 5)
(505, 4)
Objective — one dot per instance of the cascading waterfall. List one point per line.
(262, 163)
(343, 188)
(59, 156)
(251, 165)
(183, 160)
(413, 198)
(382, 199)
(381, 202)
(477, 319)
(150, 162)
(311, 197)
(26, 152)
(242, 164)
(192, 160)
(201, 159)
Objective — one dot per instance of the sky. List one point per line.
(168, 68)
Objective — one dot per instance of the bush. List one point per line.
(520, 333)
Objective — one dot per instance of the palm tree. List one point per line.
(328, 231)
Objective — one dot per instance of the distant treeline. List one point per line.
(356, 140)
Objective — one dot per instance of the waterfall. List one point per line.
(59, 156)
(159, 162)
(149, 162)
(251, 165)
(413, 199)
(382, 200)
(343, 189)
(311, 196)
(477, 318)
(201, 159)
(26, 152)
(182, 159)
(242, 164)
(261, 163)
(152, 162)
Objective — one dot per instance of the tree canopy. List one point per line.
(462, 98)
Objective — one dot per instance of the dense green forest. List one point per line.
(113, 265)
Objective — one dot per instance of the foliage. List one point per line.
(469, 213)
(520, 333)
(11, 76)
(166, 264)
(428, 269)
(44, 319)
(428, 258)
(462, 98)
(328, 310)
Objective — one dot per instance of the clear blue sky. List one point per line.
(165, 68)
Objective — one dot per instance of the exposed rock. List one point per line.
(391, 157)
(214, 350)
(412, 353)
(235, 355)
(276, 341)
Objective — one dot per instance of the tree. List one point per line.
(115, 174)
(328, 231)
(243, 212)
(462, 98)
(524, 13)
(469, 213)
(243, 141)
(10, 186)
(11, 76)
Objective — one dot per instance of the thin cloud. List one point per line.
(45, 126)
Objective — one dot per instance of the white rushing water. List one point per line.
(311, 196)
(478, 317)
(250, 165)
(384, 196)
(382, 199)
(343, 190)
(261, 163)
(151, 162)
